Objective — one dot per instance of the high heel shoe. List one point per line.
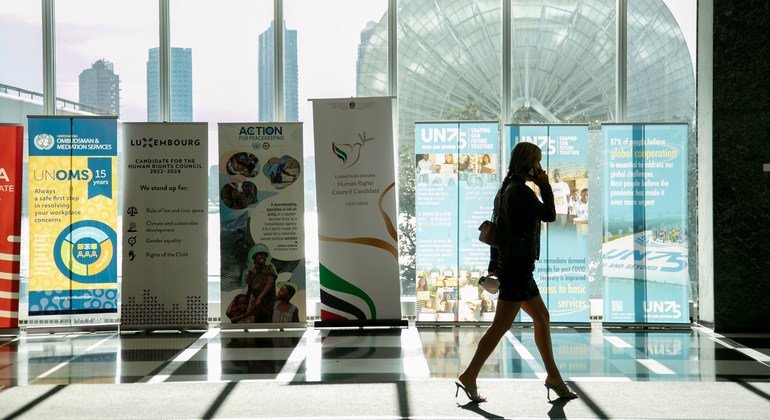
(468, 390)
(562, 391)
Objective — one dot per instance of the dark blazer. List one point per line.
(517, 214)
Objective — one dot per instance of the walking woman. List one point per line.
(518, 214)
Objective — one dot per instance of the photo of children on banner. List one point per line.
(284, 311)
(239, 311)
(580, 216)
(238, 196)
(282, 171)
(561, 194)
(243, 163)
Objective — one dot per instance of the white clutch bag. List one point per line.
(490, 284)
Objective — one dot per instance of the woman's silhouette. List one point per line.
(518, 214)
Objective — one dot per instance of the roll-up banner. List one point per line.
(72, 215)
(357, 215)
(165, 225)
(457, 174)
(562, 271)
(645, 249)
(262, 208)
(11, 149)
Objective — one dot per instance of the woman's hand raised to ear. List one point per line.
(541, 176)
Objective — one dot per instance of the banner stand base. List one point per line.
(14, 332)
(147, 329)
(55, 329)
(396, 323)
(645, 326)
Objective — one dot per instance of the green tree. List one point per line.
(470, 112)
(407, 245)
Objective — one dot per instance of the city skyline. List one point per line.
(181, 85)
(77, 22)
(99, 87)
(267, 75)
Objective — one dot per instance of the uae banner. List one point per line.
(457, 173)
(561, 272)
(645, 250)
(72, 215)
(11, 149)
(262, 207)
(165, 225)
(357, 215)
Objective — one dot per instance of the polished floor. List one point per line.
(424, 354)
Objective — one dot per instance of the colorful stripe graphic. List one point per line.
(331, 283)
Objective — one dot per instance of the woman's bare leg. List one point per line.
(504, 316)
(536, 309)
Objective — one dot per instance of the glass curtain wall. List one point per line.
(449, 68)
(21, 93)
(328, 52)
(563, 71)
(217, 66)
(21, 50)
(661, 88)
(101, 53)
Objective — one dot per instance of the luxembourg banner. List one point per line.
(357, 215)
(457, 173)
(562, 270)
(165, 225)
(645, 238)
(11, 149)
(262, 209)
(72, 215)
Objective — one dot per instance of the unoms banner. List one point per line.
(72, 215)
(262, 208)
(165, 222)
(355, 183)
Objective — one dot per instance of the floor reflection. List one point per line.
(378, 355)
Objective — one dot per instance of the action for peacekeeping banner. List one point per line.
(72, 215)
(457, 173)
(645, 250)
(262, 208)
(562, 271)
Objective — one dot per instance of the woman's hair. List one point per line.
(523, 157)
(486, 156)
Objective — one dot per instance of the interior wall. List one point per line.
(741, 146)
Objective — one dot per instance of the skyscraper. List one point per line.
(266, 75)
(100, 87)
(181, 85)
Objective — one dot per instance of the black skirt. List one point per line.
(517, 282)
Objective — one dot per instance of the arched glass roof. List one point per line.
(562, 61)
